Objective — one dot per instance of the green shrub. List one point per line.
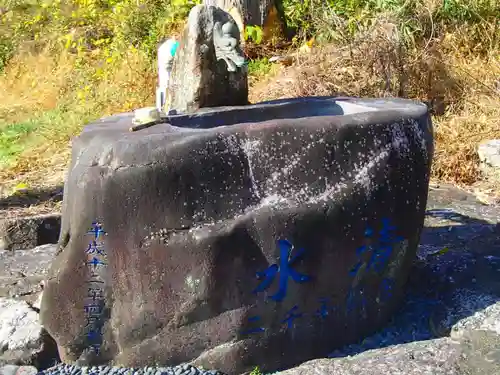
(6, 51)
(334, 19)
(82, 26)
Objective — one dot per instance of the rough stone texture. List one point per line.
(450, 322)
(199, 79)
(18, 370)
(435, 306)
(19, 326)
(193, 214)
(22, 271)
(29, 232)
(432, 357)
(22, 339)
(489, 154)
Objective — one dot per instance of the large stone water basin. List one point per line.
(263, 235)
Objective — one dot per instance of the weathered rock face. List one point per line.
(22, 339)
(20, 330)
(449, 323)
(260, 243)
(208, 67)
(489, 154)
(23, 271)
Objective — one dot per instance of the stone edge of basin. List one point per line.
(405, 106)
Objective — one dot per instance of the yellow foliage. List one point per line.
(83, 59)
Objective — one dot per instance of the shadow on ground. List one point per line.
(32, 197)
(454, 282)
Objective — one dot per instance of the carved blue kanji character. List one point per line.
(95, 293)
(386, 240)
(91, 320)
(96, 230)
(386, 233)
(96, 262)
(355, 298)
(386, 288)
(96, 348)
(95, 248)
(253, 330)
(354, 270)
(362, 249)
(93, 308)
(95, 335)
(94, 276)
(291, 315)
(284, 269)
(324, 309)
(380, 257)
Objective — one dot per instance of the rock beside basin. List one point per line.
(240, 245)
(23, 341)
(489, 154)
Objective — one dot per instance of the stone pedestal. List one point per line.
(263, 235)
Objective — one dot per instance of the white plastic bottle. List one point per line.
(166, 54)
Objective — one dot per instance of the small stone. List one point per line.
(489, 152)
(27, 370)
(20, 329)
(8, 370)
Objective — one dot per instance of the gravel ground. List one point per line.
(64, 369)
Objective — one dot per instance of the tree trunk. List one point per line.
(267, 14)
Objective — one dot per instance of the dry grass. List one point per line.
(462, 90)
(33, 83)
(130, 85)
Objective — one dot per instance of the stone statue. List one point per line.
(226, 40)
(209, 66)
